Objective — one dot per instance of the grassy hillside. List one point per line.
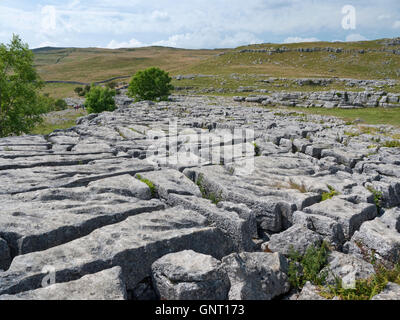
(374, 63)
(231, 67)
(92, 64)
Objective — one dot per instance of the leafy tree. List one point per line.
(100, 99)
(150, 84)
(60, 104)
(20, 104)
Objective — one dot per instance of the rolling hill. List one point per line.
(378, 59)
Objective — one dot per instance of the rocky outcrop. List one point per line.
(104, 204)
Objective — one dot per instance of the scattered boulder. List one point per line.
(380, 236)
(347, 268)
(349, 215)
(188, 275)
(257, 275)
(297, 238)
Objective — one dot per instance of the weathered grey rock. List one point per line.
(188, 275)
(171, 182)
(60, 194)
(350, 216)
(104, 285)
(5, 258)
(244, 213)
(326, 227)
(273, 207)
(391, 292)
(257, 275)
(347, 268)
(71, 175)
(133, 244)
(125, 185)
(74, 213)
(381, 236)
(238, 228)
(297, 238)
(310, 292)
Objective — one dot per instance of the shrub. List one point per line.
(257, 149)
(150, 84)
(214, 198)
(78, 90)
(392, 144)
(378, 195)
(150, 184)
(100, 99)
(308, 267)
(329, 195)
(60, 104)
(365, 289)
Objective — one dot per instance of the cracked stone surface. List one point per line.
(230, 179)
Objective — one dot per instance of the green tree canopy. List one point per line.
(100, 99)
(20, 104)
(150, 84)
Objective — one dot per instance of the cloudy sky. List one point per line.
(194, 23)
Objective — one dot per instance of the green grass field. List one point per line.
(374, 116)
(58, 120)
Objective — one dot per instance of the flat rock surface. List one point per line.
(104, 285)
(125, 188)
(188, 275)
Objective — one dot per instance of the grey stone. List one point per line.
(310, 292)
(381, 236)
(104, 285)
(391, 292)
(133, 244)
(347, 268)
(43, 219)
(125, 185)
(188, 275)
(237, 227)
(257, 275)
(350, 216)
(326, 227)
(297, 238)
(171, 182)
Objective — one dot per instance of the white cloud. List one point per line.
(192, 24)
(45, 44)
(133, 43)
(384, 17)
(160, 16)
(207, 38)
(299, 39)
(355, 37)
